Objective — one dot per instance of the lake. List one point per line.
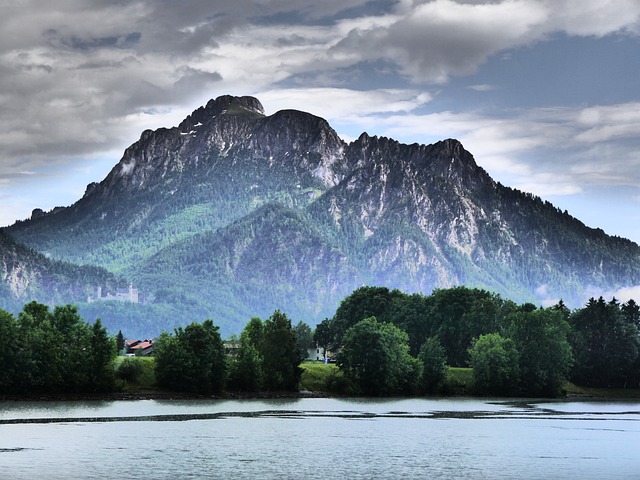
(321, 438)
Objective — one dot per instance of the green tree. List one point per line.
(410, 313)
(74, 355)
(253, 333)
(375, 357)
(461, 314)
(433, 360)
(245, 370)
(42, 366)
(192, 360)
(102, 354)
(59, 352)
(495, 363)
(631, 312)
(364, 302)
(545, 353)
(304, 339)
(10, 352)
(323, 336)
(120, 342)
(605, 342)
(171, 361)
(281, 358)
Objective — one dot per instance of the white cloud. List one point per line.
(544, 297)
(338, 103)
(628, 293)
(482, 87)
(593, 17)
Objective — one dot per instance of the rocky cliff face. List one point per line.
(254, 212)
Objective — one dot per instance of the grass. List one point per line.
(572, 389)
(145, 378)
(458, 381)
(316, 376)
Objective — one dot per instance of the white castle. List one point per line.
(122, 295)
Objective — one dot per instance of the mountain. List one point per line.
(28, 275)
(232, 214)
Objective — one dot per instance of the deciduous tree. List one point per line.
(433, 360)
(495, 363)
(193, 359)
(375, 357)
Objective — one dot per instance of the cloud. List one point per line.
(482, 87)
(628, 293)
(338, 103)
(545, 297)
(430, 41)
(593, 17)
(82, 78)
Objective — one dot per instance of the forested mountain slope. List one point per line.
(234, 213)
(28, 275)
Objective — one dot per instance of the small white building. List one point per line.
(318, 353)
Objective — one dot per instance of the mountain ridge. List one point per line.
(414, 217)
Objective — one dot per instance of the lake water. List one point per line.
(320, 439)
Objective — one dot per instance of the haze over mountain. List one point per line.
(233, 214)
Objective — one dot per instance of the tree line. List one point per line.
(43, 351)
(513, 349)
(193, 359)
(385, 342)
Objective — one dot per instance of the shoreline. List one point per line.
(166, 395)
(158, 395)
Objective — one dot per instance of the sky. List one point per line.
(544, 93)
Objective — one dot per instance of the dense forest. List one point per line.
(385, 342)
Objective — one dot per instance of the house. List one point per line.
(231, 348)
(129, 344)
(141, 348)
(318, 353)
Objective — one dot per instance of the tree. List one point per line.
(75, 358)
(171, 361)
(55, 351)
(375, 357)
(192, 360)
(410, 313)
(10, 352)
(432, 359)
(461, 314)
(364, 302)
(102, 355)
(495, 365)
(42, 366)
(281, 359)
(631, 312)
(540, 337)
(253, 332)
(605, 342)
(245, 370)
(120, 342)
(304, 339)
(323, 336)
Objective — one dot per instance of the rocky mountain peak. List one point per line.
(203, 214)
(225, 104)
